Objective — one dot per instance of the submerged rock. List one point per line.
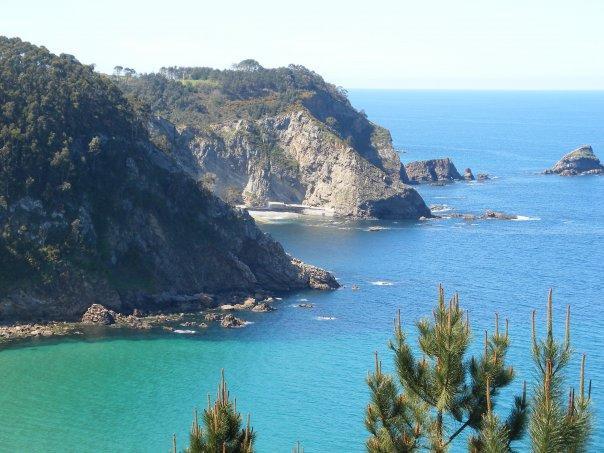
(306, 305)
(498, 215)
(432, 171)
(581, 161)
(482, 176)
(488, 215)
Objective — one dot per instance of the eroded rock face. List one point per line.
(303, 161)
(432, 171)
(581, 161)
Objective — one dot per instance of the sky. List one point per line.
(418, 44)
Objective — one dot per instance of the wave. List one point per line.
(185, 331)
(382, 283)
(325, 318)
(524, 218)
(443, 208)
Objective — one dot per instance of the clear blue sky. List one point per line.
(501, 44)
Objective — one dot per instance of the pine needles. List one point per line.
(441, 393)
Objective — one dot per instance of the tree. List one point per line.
(557, 425)
(442, 387)
(248, 65)
(117, 70)
(222, 431)
(233, 196)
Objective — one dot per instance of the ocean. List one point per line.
(301, 372)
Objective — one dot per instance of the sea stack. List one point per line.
(432, 171)
(581, 161)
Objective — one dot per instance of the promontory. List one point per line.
(93, 211)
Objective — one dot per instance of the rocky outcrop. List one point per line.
(581, 161)
(488, 215)
(315, 277)
(231, 322)
(97, 314)
(432, 171)
(468, 175)
(262, 307)
(301, 160)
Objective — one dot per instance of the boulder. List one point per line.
(581, 161)
(262, 307)
(97, 314)
(231, 322)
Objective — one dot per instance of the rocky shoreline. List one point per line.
(98, 315)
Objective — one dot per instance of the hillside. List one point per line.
(255, 135)
(91, 211)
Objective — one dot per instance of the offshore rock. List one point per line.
(468, 175)
(432, 171)
(581, 161)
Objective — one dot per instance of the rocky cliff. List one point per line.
(91, 211)
(434, 170)
(580, 161)
(290, 141)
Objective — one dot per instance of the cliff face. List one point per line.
(92, 212)
(578, 162)
(293, 142)
(434, 170)
(295, 158)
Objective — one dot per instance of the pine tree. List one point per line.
(441, 389)
(493, 436)
(222, 431)
(553, 427)
(391, 418)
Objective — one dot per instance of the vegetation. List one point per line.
(558, 424)
(199, 96)
(62, 132)
(222, 430)
(87, 202)
(443, 394)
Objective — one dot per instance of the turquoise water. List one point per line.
(301, 372)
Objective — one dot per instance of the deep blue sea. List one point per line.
(301, 372)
